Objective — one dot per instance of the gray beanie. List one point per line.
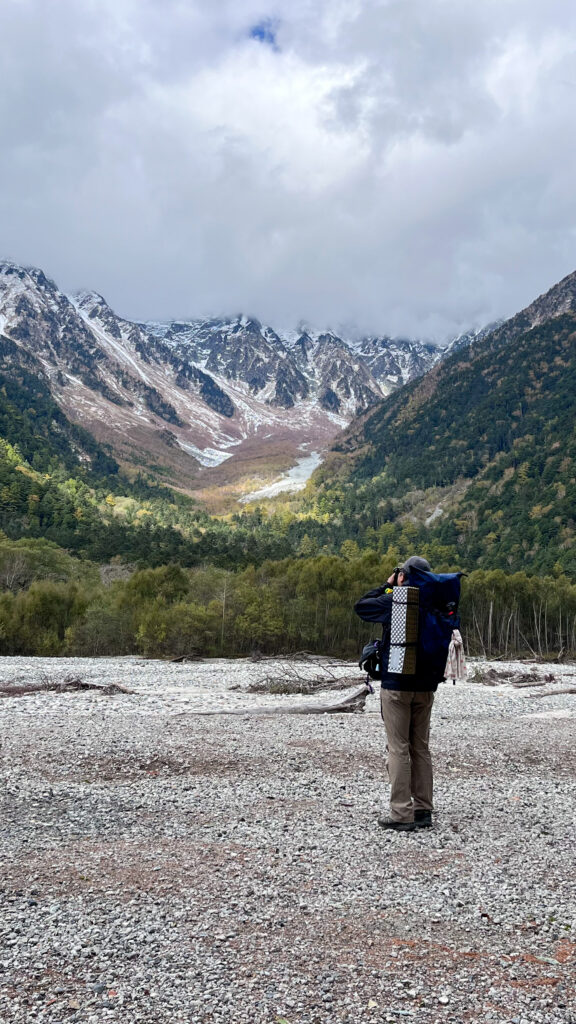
(415, 562)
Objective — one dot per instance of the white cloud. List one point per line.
(404, 165)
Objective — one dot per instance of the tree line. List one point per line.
(53, 604)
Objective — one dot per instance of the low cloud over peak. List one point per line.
(405, 167)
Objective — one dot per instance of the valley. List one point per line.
(207, 406)
(156, 442)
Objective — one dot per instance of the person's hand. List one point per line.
(397, 578)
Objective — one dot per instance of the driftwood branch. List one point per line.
(519, 680)
(354, 702)
(294, 675)
(307, 657)
(69, 684)
(523, 685)
(280, 685)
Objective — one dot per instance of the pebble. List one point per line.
(160, 866)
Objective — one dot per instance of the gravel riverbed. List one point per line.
(164, 866)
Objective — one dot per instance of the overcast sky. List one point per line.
(403, 166)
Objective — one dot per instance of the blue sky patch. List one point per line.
(265, 32)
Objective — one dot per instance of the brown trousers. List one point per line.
(406, 716)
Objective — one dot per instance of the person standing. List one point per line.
(406, 705)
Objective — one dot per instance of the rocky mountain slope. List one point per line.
(183, 398)
(442, 383)
(483, 446)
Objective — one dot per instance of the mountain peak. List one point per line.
(16, 271)
(88, 300)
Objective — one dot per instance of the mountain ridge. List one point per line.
(559, 299)
(188, 396)
(480, 453)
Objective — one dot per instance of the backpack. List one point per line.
(439, 594)
(415, 643)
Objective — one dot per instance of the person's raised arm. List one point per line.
(375, 606)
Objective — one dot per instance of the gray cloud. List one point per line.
(398, 165)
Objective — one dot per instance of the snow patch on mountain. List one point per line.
(206, 456)
(295, 480)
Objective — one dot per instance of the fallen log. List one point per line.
(529, 684)
(352, 704)
(521, 679)
(70, 684)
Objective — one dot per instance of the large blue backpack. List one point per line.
(439, 594)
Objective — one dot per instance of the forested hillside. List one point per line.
(58, 483)
(484, 447)
(113, 518)
(30, 418)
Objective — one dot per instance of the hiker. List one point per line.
(407, 694)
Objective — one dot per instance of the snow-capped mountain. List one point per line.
(397, 360)
(344, 377)
(470, 337)
(177, 396)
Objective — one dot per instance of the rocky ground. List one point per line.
(165, 866)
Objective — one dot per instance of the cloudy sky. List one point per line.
(401, 166)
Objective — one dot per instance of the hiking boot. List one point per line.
(423, 819)
(397, 826)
